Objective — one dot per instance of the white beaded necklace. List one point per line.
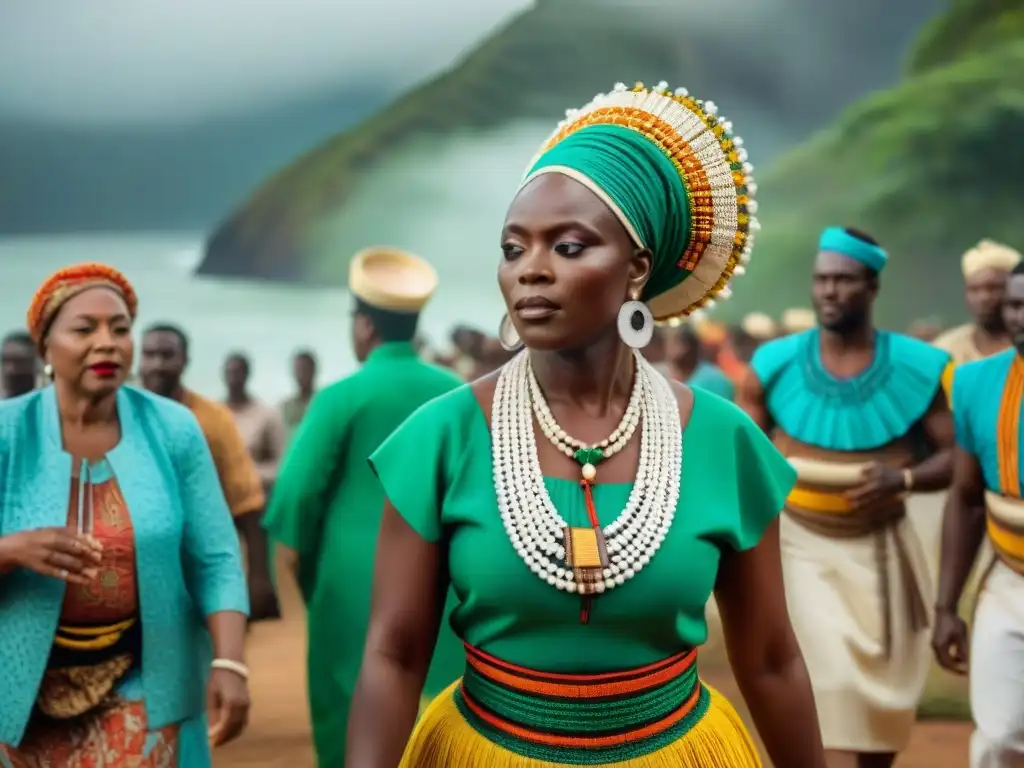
(533, 525)
(587, 455)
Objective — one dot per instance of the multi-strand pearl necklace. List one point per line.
(533, 525)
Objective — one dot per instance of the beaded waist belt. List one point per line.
(75, 645)
(582, 719)
(96, 638)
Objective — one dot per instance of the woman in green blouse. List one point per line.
(582, 506)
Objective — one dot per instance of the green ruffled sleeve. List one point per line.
(415, 464)
(764, 479)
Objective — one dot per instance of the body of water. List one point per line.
(266, 321)
(444, 199)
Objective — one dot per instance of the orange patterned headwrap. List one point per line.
(66, 283)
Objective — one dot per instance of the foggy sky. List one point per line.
(118, 62)
(125, 61)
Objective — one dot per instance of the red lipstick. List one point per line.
(104, 370)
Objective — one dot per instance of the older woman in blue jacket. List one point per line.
(119, 562)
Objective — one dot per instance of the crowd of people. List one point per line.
(527, 530)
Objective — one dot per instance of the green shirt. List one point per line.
(437, 472)
(327, 505)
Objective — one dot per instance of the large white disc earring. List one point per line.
(508, 337)
(48, 371)
(636, 324)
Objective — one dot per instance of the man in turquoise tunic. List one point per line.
(326, 505)
(987, 475)
(862, 417)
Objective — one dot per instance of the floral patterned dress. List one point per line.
(114, 733)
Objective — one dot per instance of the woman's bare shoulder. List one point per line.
(685, 398)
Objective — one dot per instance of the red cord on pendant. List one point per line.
(588, 495)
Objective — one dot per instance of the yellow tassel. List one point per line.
(443, 739)
(947, 383)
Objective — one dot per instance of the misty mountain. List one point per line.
(790, 64)
(782, 69)
(74, 179)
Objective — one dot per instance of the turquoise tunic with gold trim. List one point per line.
(861, 413)
(987, 397)
(978, 391)
(863, 566)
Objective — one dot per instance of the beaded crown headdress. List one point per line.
(714, 201)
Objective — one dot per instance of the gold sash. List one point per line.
(947, 383)
(91, 638)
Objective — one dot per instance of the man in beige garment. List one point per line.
(265, 435)
(262, 426)
(987, 474)
(304, 373)
(985, 267)
(860, 414)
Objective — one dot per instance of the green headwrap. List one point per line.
(674, 173)
(644, 186)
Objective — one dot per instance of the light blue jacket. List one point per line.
(187, 554)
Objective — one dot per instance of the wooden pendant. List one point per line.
(587, 555)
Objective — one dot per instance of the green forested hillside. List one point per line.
(970, 27)
(929, 167)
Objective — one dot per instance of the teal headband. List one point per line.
(639, 183)
(838, 240)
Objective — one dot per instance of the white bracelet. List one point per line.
(231, 666)
(908, 480)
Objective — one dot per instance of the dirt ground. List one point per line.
(278, 734)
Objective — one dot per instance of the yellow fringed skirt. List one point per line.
(501, 716)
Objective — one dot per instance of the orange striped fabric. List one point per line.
(69, 282)
(1008, 431)
(621, 710)
(580, 686)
